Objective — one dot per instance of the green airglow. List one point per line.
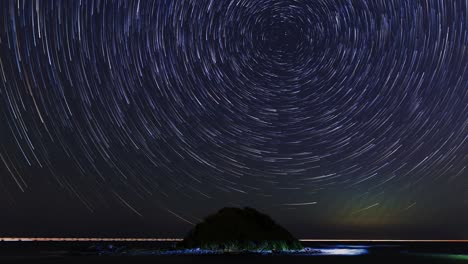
(457, 257)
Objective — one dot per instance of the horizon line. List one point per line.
(136, 239)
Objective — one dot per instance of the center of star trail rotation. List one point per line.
(279, 104)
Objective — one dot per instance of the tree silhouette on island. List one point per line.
(237, 229)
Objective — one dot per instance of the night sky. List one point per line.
(340, 119)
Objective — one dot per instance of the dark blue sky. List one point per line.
(340, 119)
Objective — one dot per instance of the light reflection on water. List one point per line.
(342, 251)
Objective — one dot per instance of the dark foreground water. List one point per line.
(87, 252)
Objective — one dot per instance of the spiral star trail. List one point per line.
(353, 113)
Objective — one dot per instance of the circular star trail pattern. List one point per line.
(236, 98)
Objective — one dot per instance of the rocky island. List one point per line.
(240, 229)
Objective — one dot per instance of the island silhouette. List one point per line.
(237, 229)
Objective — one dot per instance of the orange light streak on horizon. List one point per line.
(97, 239)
